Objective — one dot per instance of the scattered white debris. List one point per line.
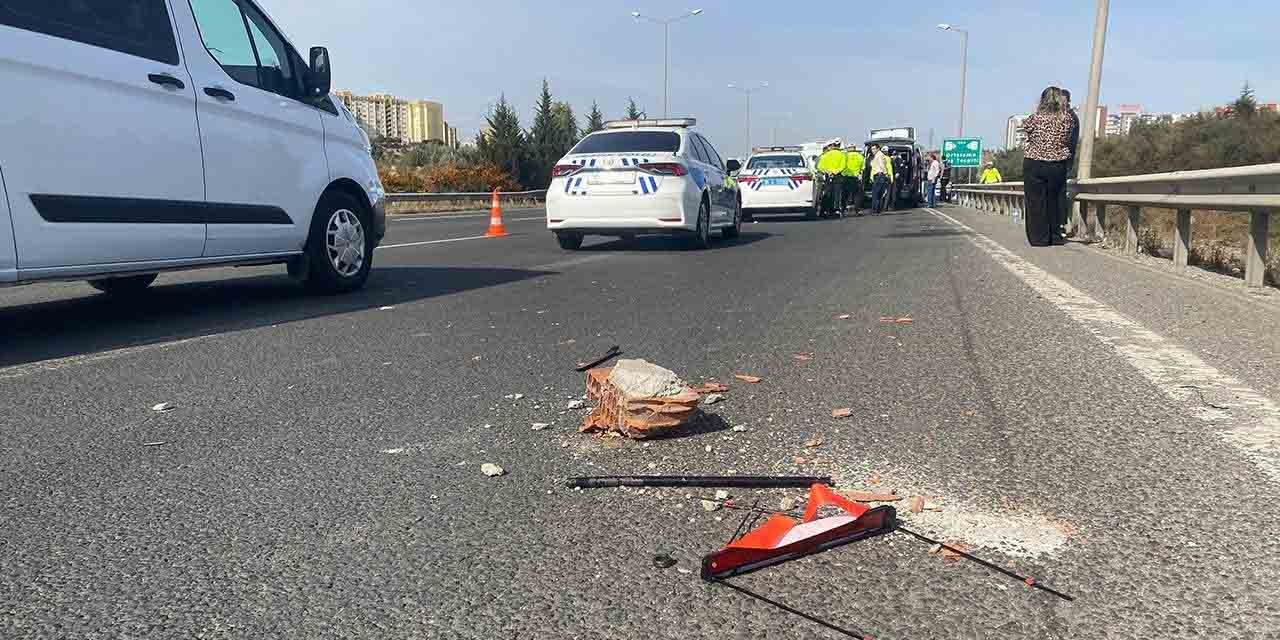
(710, 505)
(642, 379)
(386, 308)
(163, 407)
(154, 444)
(787, 504)
(722, 495)
(394, 452)
(714, 398)
(492, 470)
(574, 405)
(518, 396)
(539, 426)
(707, 448)
(742, 428)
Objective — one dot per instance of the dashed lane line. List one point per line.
(1240, 415)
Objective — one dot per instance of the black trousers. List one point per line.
(1043, 183)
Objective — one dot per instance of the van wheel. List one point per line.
(569, 241)
(340, 247)
(123, 286)
(702, 235)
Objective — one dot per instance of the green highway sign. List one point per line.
(963, 153)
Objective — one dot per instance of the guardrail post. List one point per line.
(1255, 269)
(1182, 240)
(1131, 230)
(1099, 221)
(1078, 211)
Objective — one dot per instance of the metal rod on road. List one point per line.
(1090, 125)
(1031, 582)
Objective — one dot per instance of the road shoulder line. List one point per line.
(1242, 416)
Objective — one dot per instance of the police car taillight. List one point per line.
(665, 168)
(801, 177)
(564, 170)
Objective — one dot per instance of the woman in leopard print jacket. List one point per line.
(1051, 134)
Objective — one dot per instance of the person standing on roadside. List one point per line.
(1074, 144)
(831, 167)
(934, 174)
(991, 175)
(855, 163)
(881, 175)
(1048, 159)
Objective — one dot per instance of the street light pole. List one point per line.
(964, 68)
(748, 91)
(666, 51)
(1089, 128)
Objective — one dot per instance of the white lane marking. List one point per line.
(570, 262)
(1250, 421)
(424, 242)
(54, 364)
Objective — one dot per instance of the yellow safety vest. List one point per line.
(991, 176)
(855, 163)
(832, 162)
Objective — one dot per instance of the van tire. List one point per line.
(333, 269)
(128, 285)
(569, 241)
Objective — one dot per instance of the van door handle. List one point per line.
(219, 92)
(166, 80)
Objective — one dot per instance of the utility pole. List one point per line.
(666, 51)
(964, 73)
(1089, 128)
(748, 91)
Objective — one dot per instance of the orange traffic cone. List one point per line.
(496, 228)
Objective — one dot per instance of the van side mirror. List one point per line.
(733, 166)
(320, 81)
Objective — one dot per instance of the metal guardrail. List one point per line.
(1254, 190)
(400, 198)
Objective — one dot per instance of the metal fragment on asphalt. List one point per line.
(163, 407)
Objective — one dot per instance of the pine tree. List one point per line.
(633, 110)
(1247, 104)
(545, 139)
(595, 120)
(503, 141)
(566, 128)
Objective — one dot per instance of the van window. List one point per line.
(136, 27)
(246, 46)
(629, 142)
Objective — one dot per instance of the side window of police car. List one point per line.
(246, 46)
(135, 27)
(714, 155)
(696, 151)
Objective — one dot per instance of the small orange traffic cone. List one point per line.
(496, 228)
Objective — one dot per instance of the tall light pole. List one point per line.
(964, 67)
(748, 91)
(666, 50)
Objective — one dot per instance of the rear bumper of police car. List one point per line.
(667, 211)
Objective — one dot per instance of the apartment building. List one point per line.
(409, 121)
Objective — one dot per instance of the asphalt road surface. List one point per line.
(319, 474)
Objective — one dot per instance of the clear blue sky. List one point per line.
(834, 68)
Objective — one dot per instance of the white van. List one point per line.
(143, 136)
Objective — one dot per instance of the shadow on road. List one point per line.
(674, 243)
(95, 323)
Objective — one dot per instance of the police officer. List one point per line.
(855, 162)
(991, 174)
(831, 165)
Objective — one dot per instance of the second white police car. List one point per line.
(777, 180)
(643, 177)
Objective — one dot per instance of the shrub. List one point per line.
(447, 178)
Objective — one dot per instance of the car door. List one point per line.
(264, 155)
(98, 137)
(720, 211)
(729, 186)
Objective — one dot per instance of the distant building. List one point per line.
(409, 121)
(1014, 136)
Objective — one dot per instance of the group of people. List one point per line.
(842, 167)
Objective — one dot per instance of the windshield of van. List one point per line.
(629, 142)
(776, 162)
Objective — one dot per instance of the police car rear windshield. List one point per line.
(629, 142)
(776, 162)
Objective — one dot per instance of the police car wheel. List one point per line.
(702, 236)
(733, 230)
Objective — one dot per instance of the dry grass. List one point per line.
(1218, 238)
(406, 208)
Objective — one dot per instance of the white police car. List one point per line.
(643, 177)
(777, 180)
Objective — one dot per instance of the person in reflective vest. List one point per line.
(991, 174)
(831, 167)
(855, 163)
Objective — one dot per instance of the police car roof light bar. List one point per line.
(783, 149)
(682, 123)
